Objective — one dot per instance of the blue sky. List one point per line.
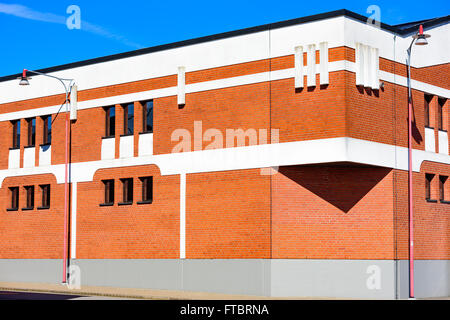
(34, 33)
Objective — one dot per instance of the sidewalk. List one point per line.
(123, 292)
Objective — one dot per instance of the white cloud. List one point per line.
(24, 12)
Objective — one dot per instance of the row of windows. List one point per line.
(29, 198)
(128, 119)
(440, 110)
(31, 132)
(443, 185)
(128, 192)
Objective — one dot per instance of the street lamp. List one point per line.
(70, 88)
(420, 39)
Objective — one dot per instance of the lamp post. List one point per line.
(68, 85)
(420, 39)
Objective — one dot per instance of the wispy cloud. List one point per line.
(24, 12)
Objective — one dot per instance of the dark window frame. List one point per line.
(428, 182)
(442, 185)
(147, 190)
(127, 191)
(127, 120)
(16, 134)
(110, 122)
(109, 189)
(47, 130)
(14, 196)
(29, 192)
(428, 99)
(45, 196)
(145, 116)
(31, 132)
(441, 104)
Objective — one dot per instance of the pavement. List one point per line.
(20, 290)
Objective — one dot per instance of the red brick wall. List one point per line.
(228, 215)
(332, 212)
(147, 231)
(35, 234)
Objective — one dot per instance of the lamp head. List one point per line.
(421, 38)
(24, 79)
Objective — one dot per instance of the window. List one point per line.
(442, 185)
(128, 119)
(45, 192)
(147, 190)
(441, 119)
(14, 192)
(30, 197)
(16, 134)
(31, 132)
(127, 188)
(109, 192)
(47, 132)
(428, 99)
(110, 121)
(428, 180)
(147, 116)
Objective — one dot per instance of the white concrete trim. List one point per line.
(223, 83)
(183, 216)
(29, 157)
(252, 157)
(181, 83)
(430, 141)
(298, 67)
(14, 159)
(311, 64)
(324, 78)
(73, 223)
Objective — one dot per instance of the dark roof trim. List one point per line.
(219, 36)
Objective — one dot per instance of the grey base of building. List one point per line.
(366, 279)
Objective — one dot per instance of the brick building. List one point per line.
(309, 198)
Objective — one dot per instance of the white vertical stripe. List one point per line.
(365, 66)
(311, 65)
(376, 69)
(324, 79)
(181, 85)
(298, 67)
(73, 223)
(182, 215)
(358, 63)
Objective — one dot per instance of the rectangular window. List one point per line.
(428, 99)
(110, 121)
(442, 184)
(428, 179)
(31, 132)
(30, 197)
(148, 116)
(14, 192)
(16, 134)
(147, 189)
(441, 117)
(45, 192)
(109, 192)
(47, 130)
(127, 189)
(128, 119)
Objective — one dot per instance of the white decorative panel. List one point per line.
(430, 140)
(324, 78)
(45, 155)
(108, 148)
(367, 66)
(29, 158)
(443, 142)
(127, 147)
(311, 65)
(298, 67)
(145, 144)
(14, 159)
(181, 85)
